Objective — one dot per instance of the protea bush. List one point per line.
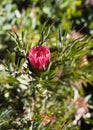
(43, 84)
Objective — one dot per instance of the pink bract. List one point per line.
(39, 57)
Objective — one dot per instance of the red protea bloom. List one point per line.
(39, 57)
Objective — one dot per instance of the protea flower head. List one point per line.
(39, 57)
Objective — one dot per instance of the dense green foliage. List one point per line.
(61, 96)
